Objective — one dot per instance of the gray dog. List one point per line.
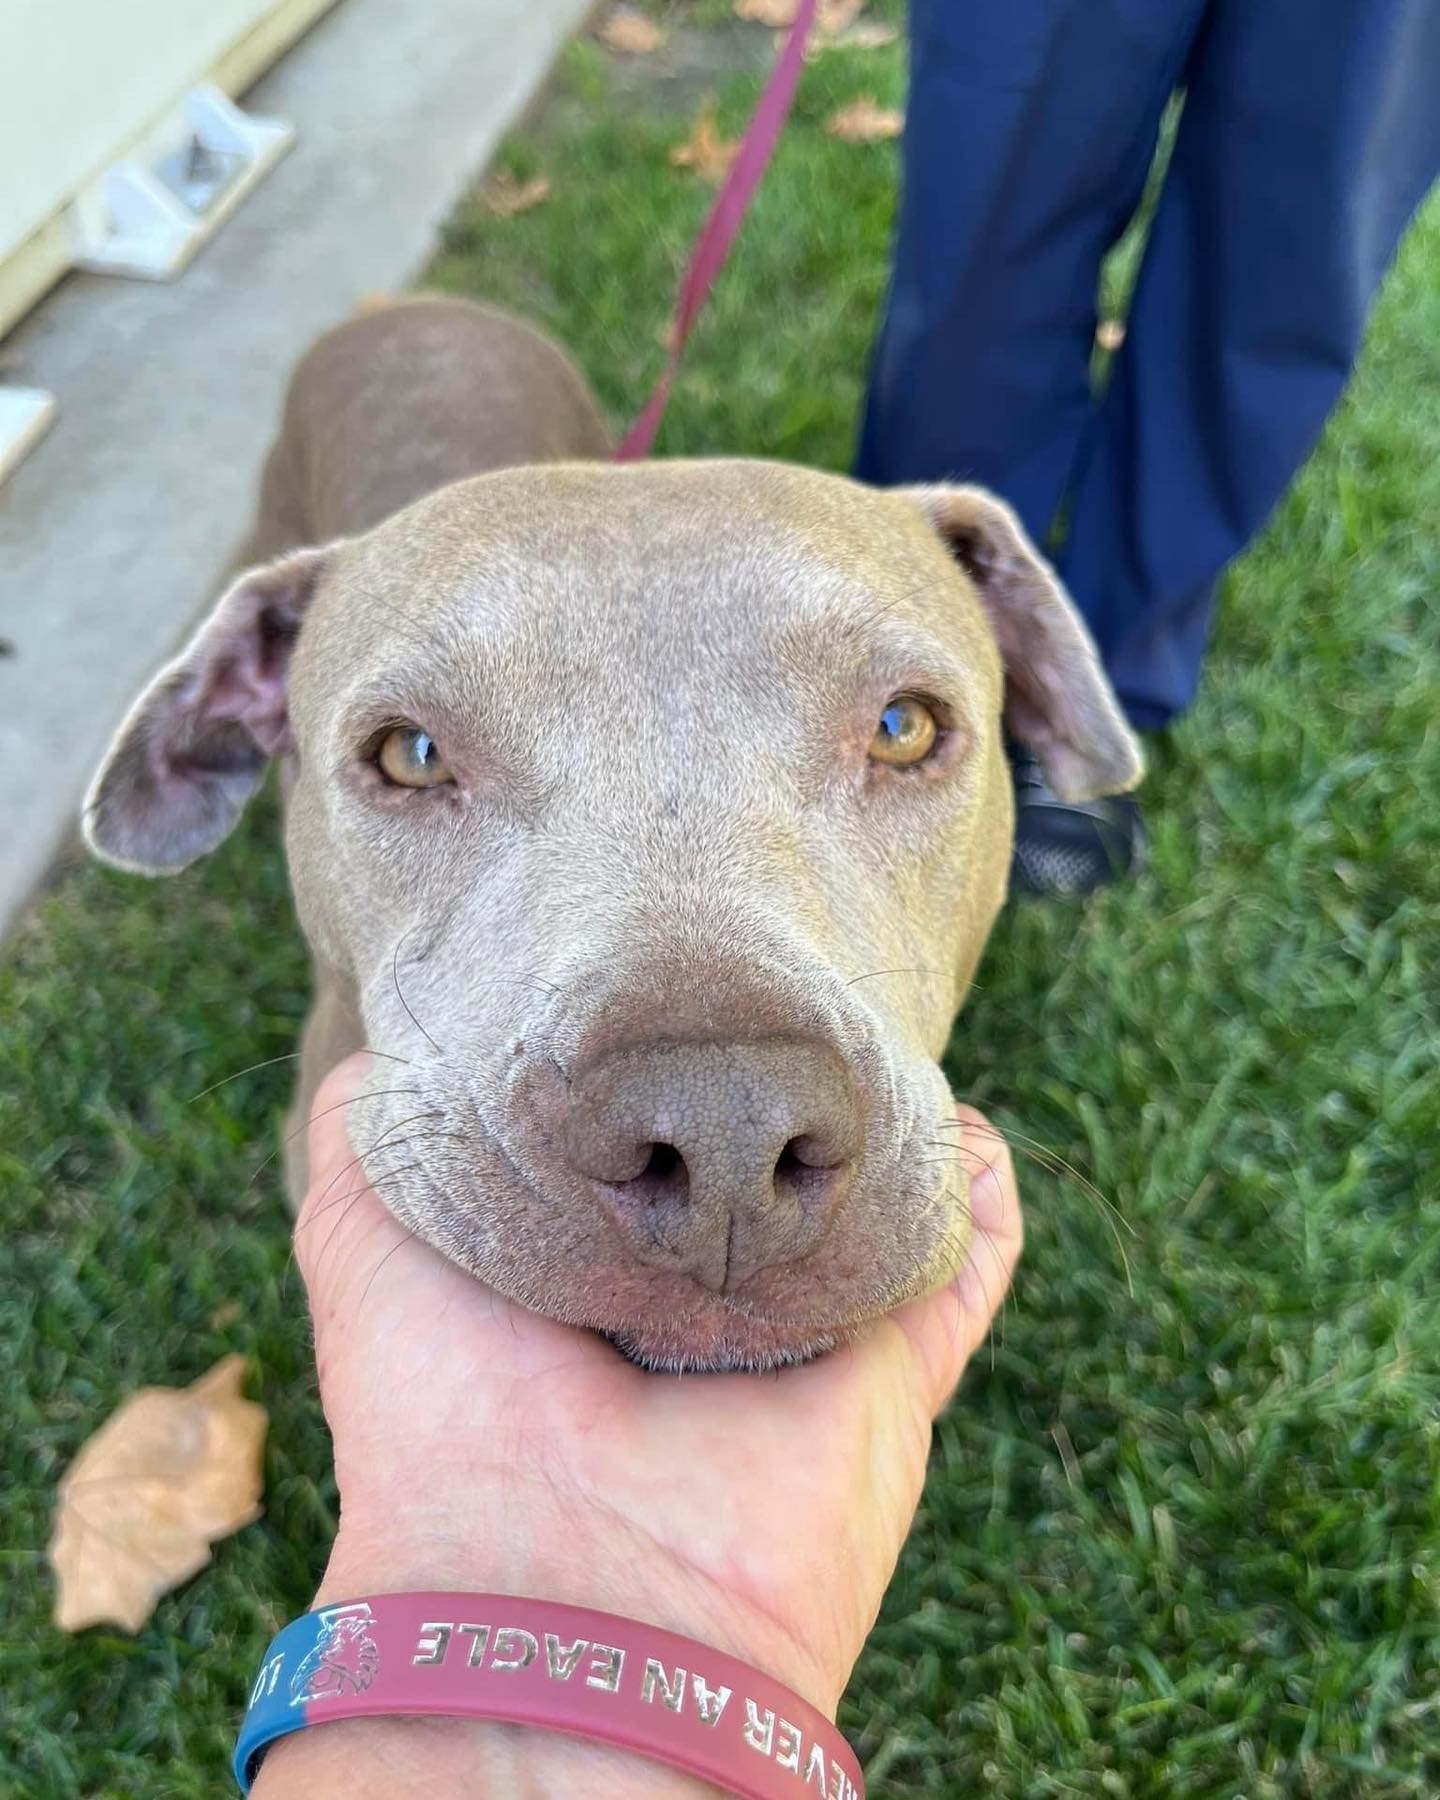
(652, 819)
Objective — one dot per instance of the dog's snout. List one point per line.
(717, 1159)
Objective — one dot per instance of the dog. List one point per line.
(649, 818)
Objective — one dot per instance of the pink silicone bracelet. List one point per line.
(565, 1668)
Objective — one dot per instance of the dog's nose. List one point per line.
(718, 1159)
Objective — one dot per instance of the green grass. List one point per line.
(1180, 1537)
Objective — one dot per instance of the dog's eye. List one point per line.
(906, 733)
(410, 758)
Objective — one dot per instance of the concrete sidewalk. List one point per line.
(114, 532)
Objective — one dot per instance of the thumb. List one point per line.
(946, 1328)
(342, 1091)
(339, 1204)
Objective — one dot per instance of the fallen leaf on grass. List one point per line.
(170, 1472)
(767, 12)
(863, 122)
(505, 196)
(831, 16)
(631, 33)
(868, 35)
(1110, 334)
(704, 151)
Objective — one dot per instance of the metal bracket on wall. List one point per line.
(148, 215)
(26, 414)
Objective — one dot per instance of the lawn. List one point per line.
(1182, 1531)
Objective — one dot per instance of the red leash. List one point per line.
(718, 233)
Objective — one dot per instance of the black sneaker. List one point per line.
(1070, 846)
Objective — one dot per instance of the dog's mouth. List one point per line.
(724, 1341)
(785, 1319)
(785, 1316)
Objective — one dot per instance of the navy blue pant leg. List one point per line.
(1029, 131)
(1311, 132)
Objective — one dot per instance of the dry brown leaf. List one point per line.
(631, 33)
(767, 12)
(836, 16)
(1110, 334)
(165, 1476)
(225, 1314)
(867, 35)
(831, 16)
(505, 196)
(863, 122)
(704, 151)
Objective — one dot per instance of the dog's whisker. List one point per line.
(539, 981)
(366, 1183)
(411, 625)
(959, 1151)
(965, 1260)
(378, 1148)
(395, 976)
(324, 1113)
(1055, 1164)
(348, 1200)
(421, 630)
(912, 969)
(353, 1196)
(1035, 1148)
(873, 615)
(409, 1238)
(1041, 1159)
(269, 1063)
(324, 1204)
(981, 1232)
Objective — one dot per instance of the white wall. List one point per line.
(80, 78)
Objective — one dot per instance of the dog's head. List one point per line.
(656, 816)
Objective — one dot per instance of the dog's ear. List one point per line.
(194, 746)
(1057, 699)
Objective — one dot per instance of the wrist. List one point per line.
(427, 1687)
(431, 1553)
(376, 1759)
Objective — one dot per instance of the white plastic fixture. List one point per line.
(26, 414)
(148, 215)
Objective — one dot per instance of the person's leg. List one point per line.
(1310, 133)
(1029, 131)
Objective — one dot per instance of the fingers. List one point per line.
(946, 1328)
(371, 1282)
(997, 1228)
(329, 1140)
(338, 1206)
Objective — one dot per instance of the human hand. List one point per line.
(479, 1446)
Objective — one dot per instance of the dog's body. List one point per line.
(609, 822)
(404, 399)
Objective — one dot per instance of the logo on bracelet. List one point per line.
(345, 1660)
